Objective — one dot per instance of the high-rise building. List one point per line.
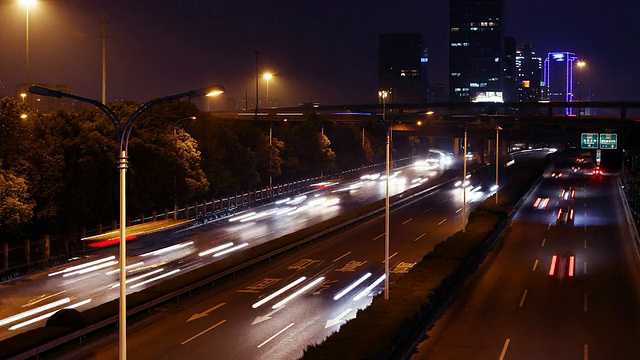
(558, 76)
(529, 74)
(476, 48)
(402, 68)
(510, 72)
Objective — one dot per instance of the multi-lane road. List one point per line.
(559, 288)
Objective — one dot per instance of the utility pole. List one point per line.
(256, 114)
(104, 59)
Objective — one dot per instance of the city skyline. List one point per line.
(326, 55)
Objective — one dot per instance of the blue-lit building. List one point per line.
(476, 50)
(558, 77)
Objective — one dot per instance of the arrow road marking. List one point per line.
(337, 320)
(260, 319)
(197, 316)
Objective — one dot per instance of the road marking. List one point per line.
(524, 295)
(260, 319)
(406, 222)
(337, 320)
(585, 227)
(278, 333)
(205, 313)
(504, 349)
(440, 223)
(586, 352)
(585, 267)
(535, 264)
(429, 209)
(543, 240)
(341, 256)
(549, 227)
(457, 211)
(394, 254)
(585, 302)
(420, 237)
(378, 237)
(213, 327)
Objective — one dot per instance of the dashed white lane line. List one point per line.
(378, 237)
(420, 237)
(585, 267)
(585, 302)
(440, 223)
(585, 243)
(276, 334)
(543, 241)
(406, 222)
(549, 227)
(341, 256)
(429, 209)
(195, 336)
(535, 265)
(586, 352)
(524, 295)
(504, 349)
(457, 211)
(394, 254)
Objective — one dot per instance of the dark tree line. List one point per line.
(58, 172)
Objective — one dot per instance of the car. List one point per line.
(556, 174)
(562, 265)
(567, 194)
(541, 203)
(565, 216)
(596, 171)
(575, 169)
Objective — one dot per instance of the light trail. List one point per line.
(28, 313)
(168, 249)
(230, 250)
(215, 249)
(155, 278)
(263, 301)
(47, 315)
(351, 287)
(77, 267)
(295, 294)
(368, 289)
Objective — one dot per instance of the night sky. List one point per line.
(319, 51)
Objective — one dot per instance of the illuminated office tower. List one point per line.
(529, 74)
(402, 68)
(558, 77)
(476, 48)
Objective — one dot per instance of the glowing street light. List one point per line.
(267, 77)
(383, 94)
(123, 133)
(581, 64)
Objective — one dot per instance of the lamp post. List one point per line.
(27, 4)
(581, 64)
(123, 133)
(497, 158)
(267, 77)
(175, 186)
(464, 179)
(383, 96)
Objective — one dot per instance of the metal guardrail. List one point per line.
(630, 219)
(398, 202)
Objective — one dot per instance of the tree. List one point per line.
(16, 207)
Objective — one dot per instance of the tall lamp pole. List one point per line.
(256, 53)
(497, 158)
(123, 133)
(383, 95)
(581, 64)
(27, 4)
(464, 179)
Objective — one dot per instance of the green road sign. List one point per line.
(589, 140)
(608, 141)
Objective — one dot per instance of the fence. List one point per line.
(32, 255)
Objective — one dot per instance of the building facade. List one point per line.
(529, 74)
(558, 77)
(402, 68)
(46, 104)
(476, 48)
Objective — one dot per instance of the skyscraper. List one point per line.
(401, 68)
(529, 70)
(558, 76)
(476, 65)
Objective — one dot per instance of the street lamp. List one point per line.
(581, 64)
(464, 179)
(123, 133)
(497, 154)
(175, 186)
(383, 94)
(27, 4)
(267, 77)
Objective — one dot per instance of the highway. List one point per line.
(276, 310)
(25, 303)
(556, 289)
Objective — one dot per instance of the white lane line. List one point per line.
(524, 295)
(406, 222)
(429, 209)
(586, 352)
(585, 267)
(341, 256)
(585, 243)
(378, 237)
(585, 302)
(440, 223)
(276, 334)
(535, 265)
(394, 254)
(457, 211)
(543, 241)
(585, 227)
(549, 227)
(504, 349)
(195, 336)
(420, 237)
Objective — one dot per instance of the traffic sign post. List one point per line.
(608, 141)
(589, 140)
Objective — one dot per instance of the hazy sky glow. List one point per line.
(318, 51)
